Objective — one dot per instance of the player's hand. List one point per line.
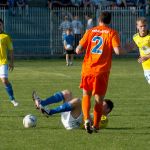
(142, 59)
(11, 67)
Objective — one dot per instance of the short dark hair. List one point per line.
(70, 29)
(1, 21)
(105, 17)
(110, 104)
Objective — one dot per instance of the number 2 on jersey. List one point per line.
(99, 43)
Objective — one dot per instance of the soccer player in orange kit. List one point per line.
(98, 43)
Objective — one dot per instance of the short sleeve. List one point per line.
(84, 40)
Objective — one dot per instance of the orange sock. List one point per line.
(97, 114)
(86, 105)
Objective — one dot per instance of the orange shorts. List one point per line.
(95, 84)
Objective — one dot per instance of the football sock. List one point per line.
(57, 97)
(86, 105)
(97, 114)
(10, 92)
(62, 108)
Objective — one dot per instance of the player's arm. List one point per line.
(131, 46)
(65, 44)
(141, 59)
(79, 49)
(82, 44)
(11, 53)
(11, 62)
(118, 49)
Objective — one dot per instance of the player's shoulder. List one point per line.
(4, 35)
(135, 35)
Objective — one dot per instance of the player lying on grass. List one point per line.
(71, 111)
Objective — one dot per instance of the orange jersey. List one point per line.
(98, 43)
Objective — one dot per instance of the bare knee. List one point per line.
(98, 98)
(76, 103)
(67, 95)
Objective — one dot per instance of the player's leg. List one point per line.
(147, 75)
(73, 105)
(65, 95)
(86, 106)
(86, 84)
(99, 90)
(57, 97)
(97, 112)
(71, 59)
(67, 59)
(66, 106)
(7, 84)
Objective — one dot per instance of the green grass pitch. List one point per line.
(129, 123)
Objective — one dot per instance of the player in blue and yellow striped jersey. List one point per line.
(6, 47)
(142, 41)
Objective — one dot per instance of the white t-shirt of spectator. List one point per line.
(119, 2)
(77, 26)
(96, 2)
(89, 24)
(76, 2)
(65, 25)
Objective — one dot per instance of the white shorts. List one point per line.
(69, 122)
(147, 75)
(3, 71)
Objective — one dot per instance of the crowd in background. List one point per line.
(97, 3)
(11, 4)
(143, 4)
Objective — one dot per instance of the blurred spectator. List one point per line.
(121, 3)
(96, 3)
(141, 4)
(147, 7)
(131, 3)
(22, 4)
(65, 25)
(77, 29)
(66, 2)
(89, 19)
(103, 3)
(11, 5)
(69, 46)
(49, 4)
(58, 3)
(76, 3)
(3, 3)
(87, 3)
